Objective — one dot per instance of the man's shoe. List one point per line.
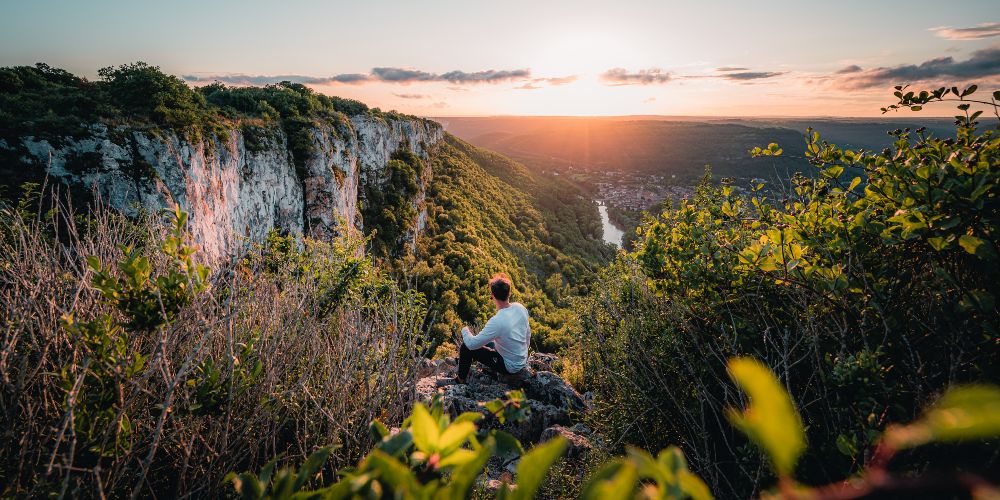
(447, 381)
(519, 379)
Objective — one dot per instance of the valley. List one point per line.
(624, 155)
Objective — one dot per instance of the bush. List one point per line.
(141, 90)
(388, 208)
(129, 368)
(869, 289)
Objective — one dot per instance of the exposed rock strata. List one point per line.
(238, 186)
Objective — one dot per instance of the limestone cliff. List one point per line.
(239, 184)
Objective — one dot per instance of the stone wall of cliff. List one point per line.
(236, 186)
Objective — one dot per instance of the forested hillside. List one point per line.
(482, 218)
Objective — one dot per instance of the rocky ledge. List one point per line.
(556, 406)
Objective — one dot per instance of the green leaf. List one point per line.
(535, 464)
(771, 419)
(426, 432)
(456, 458)
(268, 469)
(962, 414)
(693, 486)
(394, 473)
(507, 444)
(938, 243)
(469, 416)
(378, 429)
(846, 447)
(616, 480)
(464, 476)
(495, 407)
(454, 436)
(282, 485)
(248, 486)
(970, 243)
(854, 183)
(311, 467)
(833, 172)
(397, 444)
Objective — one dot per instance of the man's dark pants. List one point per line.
(485, 355)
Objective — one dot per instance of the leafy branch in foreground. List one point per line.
(963, 413)
(917, 100)
(433, 456)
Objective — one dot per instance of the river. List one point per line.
(612, 234)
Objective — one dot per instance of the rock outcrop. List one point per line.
(555, 407)
(555, 404)
(240, 185)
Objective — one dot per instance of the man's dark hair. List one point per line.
(500, 286)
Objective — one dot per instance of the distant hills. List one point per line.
(678, 147)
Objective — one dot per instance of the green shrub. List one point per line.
(869, 288)
(388, 207)
(140, 371)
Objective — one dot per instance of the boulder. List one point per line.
(553, 401)
(552, 389)
(577, 436)
(542, 362)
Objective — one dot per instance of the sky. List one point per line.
(580, 57)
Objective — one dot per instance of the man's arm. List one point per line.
(486, 335)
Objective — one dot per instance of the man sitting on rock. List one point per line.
(502, 345)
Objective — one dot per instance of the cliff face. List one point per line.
(239, 186)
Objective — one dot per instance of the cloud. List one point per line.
(649, 100)
(411, 96)
(982, 64)
(489, 76)
(382, 74)
(562, 80)
(977, 32)
(401, 75)
(535, 83)
(621, 76)
(350, 78)
(751, 75)
(405, 75)
(240, 79)
(854, 68)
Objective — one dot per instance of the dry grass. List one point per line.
(322, 377)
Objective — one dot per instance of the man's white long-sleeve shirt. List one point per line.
(509, 331)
